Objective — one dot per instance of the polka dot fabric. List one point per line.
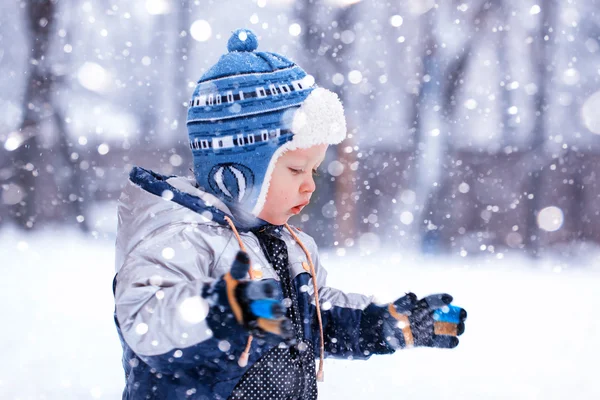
(284, 373)
(278, 376)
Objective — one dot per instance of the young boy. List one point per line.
(217, 297)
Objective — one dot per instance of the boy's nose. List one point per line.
(308, 185)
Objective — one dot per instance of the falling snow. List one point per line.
(471, 166)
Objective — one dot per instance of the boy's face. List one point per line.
(292, 183)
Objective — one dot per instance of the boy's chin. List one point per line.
(278, 219)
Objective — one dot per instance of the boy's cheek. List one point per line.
(281, 196)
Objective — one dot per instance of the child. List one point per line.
(217, 297)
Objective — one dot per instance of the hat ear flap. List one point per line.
(231, 181)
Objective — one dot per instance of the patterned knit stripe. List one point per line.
(243, 95)
(202, 146)
(243, 134)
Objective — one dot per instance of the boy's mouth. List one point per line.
(298, 208)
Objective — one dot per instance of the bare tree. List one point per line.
(540, 57)
(35, 166)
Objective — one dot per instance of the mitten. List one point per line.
(252, 305)
(430, 322)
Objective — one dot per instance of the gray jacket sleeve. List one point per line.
(158, 299)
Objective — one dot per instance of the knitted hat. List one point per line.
(246, 111)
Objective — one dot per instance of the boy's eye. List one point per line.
(297, 171)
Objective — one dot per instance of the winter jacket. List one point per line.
(173, 242)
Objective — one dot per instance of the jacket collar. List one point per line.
(268, 229)
(186, 193)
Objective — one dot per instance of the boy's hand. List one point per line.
(430, 322)
(254, 303)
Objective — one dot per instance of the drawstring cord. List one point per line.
(243, 360)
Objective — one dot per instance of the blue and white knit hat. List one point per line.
(246, 111)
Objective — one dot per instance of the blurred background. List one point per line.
(473, 124)
(471, 167)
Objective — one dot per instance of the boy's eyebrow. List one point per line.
(301, 159)
(305, 161)
(298, 159)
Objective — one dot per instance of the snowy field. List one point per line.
(532, 333)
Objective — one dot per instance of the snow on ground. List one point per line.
(532, 331)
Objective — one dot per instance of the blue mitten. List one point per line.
(431, 322)
(250, 304)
